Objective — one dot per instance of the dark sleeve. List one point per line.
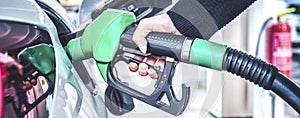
(202, 18)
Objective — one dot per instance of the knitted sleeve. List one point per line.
(202, 18)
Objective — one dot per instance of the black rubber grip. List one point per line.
(159, 44)
(287, 90)
(263, 74)
(250, 68)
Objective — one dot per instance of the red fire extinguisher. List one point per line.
(279, 46)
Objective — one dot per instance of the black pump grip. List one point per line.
(171, 45)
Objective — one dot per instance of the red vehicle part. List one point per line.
(279, 47)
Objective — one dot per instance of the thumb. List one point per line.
(139, 37)
(143, 30)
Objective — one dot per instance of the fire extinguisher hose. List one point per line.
(262, 74)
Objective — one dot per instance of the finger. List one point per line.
(151, 61)
(140, 58)
(164, 24)
(133, 67)
(160, 57)
(152, 73)
(28, 85)
(19, 66)
(24, 87)
(16, 64)
(152, 24)
(177, 32)
(143, 30)
(33, 81)
(139, 37)
(143, 69)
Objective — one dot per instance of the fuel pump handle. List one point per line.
(171, 45)
(219, 57)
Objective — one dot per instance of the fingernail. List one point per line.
(33, 81)
(143, 73)
(24, 87)
(143, 69)
(133, 67)
(20, 71)
(151, 61)
(143, 49)
(28, 85)
(152, 74)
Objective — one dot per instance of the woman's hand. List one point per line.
(142, 68)
(160, 23)
(8, 61)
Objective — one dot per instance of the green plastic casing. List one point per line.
(42, 57)
(101, 39)
(208, 54)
